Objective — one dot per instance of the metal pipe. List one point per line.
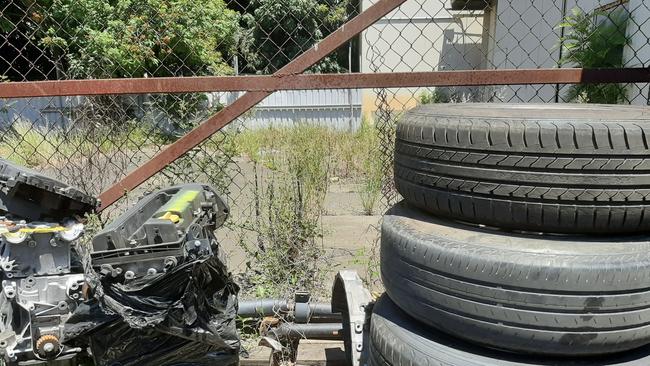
(323, 311)
(262, 307)
(325, 331)
(318, 312)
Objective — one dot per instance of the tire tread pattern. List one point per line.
(537, 296)
(565, 176)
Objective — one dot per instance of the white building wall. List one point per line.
(526, 36)
(638, 52)
(422, 35)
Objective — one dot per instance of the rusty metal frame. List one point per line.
(290, 77)
(274, 83)
(247, 101)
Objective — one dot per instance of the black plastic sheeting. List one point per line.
(183, 317)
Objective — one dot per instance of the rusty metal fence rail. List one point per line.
(121, 97)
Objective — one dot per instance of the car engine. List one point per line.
(138, 282)
(161, 231)
(41, 220)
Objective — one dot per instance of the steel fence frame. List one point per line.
(268, 84)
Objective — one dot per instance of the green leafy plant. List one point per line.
(595, 40)
(134, 38)
(283, 29)
(288, 205)
(131, 38)
(433, 96)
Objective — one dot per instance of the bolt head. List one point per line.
(48, 347)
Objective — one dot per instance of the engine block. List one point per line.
(40, 224)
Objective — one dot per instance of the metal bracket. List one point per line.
(352, 299)
(302, 310)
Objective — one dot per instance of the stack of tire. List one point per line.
(522, 238)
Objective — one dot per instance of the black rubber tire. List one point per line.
(558, 295)
(565, 168)
(398, 340)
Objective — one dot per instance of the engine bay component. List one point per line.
(156, 277)
(41, 220)
(163, 230)
(37, 249)
(48, 345)
(40, 290)
(153, 276)
(33, 196)
(36, 309)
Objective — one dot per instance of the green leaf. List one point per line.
(595, 42)
(6, 25)
(577, 12)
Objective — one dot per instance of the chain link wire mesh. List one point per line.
(93, 142)
(284, 181)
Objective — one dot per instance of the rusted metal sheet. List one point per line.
(321, 81)
(247, 101)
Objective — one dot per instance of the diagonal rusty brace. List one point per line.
(215, 123)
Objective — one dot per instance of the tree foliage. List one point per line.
(131, 38)
(280, 30)
(595, 40)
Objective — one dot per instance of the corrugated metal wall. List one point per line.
(43, 112)
(338, 109)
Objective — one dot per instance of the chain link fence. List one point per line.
(304, 170)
